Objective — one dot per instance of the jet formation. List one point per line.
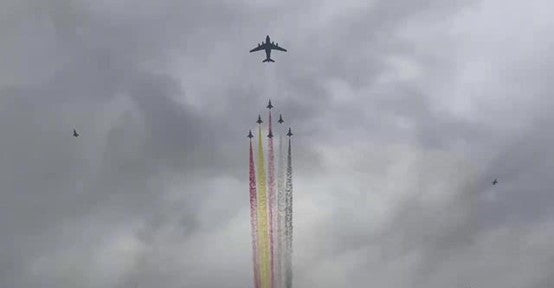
(259, 121)
(268, 45)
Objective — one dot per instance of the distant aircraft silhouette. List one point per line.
(495, 181)
(281, 119)
(290, 133)
(259, 120)
(268, 46)
(75, 134)
(269, 106)
(250, 134)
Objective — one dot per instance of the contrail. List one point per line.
(288, 218)
(265, 271)
(271, 195)
(280, 209)
(254, 218)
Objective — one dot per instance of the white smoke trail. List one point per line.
(281, 211)
(288, 220)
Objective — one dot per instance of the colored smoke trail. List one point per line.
(271, 195)
(280, 210)
(254, 219)
(263, 232)
(288, 220)
(271, 209)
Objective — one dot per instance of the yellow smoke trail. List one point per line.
(263, 229)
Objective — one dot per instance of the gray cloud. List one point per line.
(404, 112)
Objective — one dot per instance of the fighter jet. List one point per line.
(290, 133)
(280, 119)
(250, 134)
(269, 106)
(75, 134)
(268, 46)
(270, 135)
(259, 120)
(495, 181)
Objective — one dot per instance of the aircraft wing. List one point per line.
(276, 47)
(260, 47)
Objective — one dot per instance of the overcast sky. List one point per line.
(404, 111)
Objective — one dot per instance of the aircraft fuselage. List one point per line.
(268, 48)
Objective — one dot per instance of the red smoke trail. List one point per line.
(254, 219)
(271, 200)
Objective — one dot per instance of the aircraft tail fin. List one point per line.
(268, 60)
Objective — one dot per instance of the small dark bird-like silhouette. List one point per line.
(495, 181)
(75, 134)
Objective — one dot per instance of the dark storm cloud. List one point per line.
(401, 120)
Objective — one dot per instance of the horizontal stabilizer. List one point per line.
(268, 60)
